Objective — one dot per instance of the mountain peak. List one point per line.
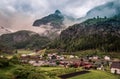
(57, 12)
(56, 20)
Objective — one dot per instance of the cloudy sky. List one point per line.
(22, 13)
(37, 8)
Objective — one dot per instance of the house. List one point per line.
(52, 64)
(31, 61)
(23, 55)
(95, 58)
(61, 58)
(87, 66)
(115, 67)
(24, 59)
(39, 63)
(100, 67)
(53, 57)
(92, 57)
(107, 58)
(71, 56)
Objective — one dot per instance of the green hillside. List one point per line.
(96, 75)
(24, 39)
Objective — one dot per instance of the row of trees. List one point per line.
(106, 44)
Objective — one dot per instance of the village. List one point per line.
(105, 63)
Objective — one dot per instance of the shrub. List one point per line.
(4, 62)
(3, 76)
(21, 72)
(15, 60)
(28, 72)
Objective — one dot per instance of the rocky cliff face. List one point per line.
(53, 24)
(55, 20)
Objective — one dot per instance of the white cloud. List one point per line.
(77, 8)
(22, 13)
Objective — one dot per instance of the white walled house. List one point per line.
(31, 61)
(115, 67)
(107, 58)
(71, 56)
(39, 63)
(95, 57)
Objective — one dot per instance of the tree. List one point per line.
(28, 72)
(15, 60)
(22, 72)
(105, 17)
(4, 62)
(98, 17)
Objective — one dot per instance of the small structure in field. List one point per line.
(115, 67)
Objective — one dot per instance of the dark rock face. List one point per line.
(57, 12)
(55, 20)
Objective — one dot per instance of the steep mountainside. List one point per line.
(24, 39)
(53, 24)
(55, 20)
(101, 33)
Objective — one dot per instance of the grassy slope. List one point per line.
(96, 75)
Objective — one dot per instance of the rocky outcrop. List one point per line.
(56, 20)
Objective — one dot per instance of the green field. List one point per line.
(49, 68)
(24, 51)
(94, 74)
